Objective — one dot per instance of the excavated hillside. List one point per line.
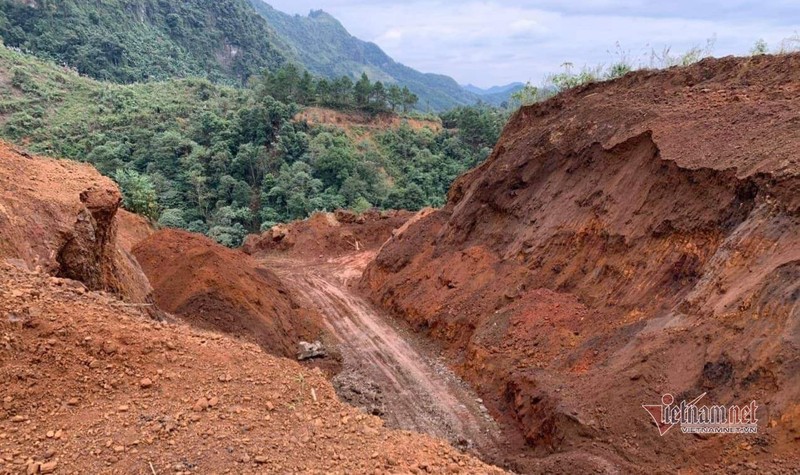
(625, 240)
(216, 288)
(93, 386)
(62, 217)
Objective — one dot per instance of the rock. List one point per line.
(261, 459)
(307, 351)
(145, 383)
(33, 468)
(48, 467)
(201, 405)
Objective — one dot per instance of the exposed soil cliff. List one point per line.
(217, 288)
(625, 240)
(62, 216)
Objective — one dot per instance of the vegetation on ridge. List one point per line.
(228, 161)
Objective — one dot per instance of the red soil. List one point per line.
(221, 289)
(132, 229)
(359, 123)
(62, 216)
(625, 240)
(93, 386)
(329, 234)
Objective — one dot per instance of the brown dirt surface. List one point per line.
(326, 235)
(92, 386)
(222, 289)
(625, 240)
(132, 229)
(358, 124)
(385, 371)
(63, 217)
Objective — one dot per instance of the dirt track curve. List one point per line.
(417, 392)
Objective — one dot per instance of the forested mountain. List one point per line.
(320, 43)
(226, 161)
(226, 41)
(136, 40)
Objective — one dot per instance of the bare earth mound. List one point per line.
(91, 386)
(62, 216)
(221, 289)
(329, 234)
(625, 240)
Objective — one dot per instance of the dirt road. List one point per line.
(384, 370)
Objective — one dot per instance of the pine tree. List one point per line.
(362, 92)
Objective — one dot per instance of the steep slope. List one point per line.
(321, 44)
(625, 240)
(61, 217)
(90, 386)
(129, 41)
(216, 288)
(225, 41)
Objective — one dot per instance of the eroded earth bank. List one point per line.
(98, 379)
(625, 240)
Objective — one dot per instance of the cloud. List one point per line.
(493, 42)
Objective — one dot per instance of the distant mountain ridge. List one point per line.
(321, 44)
(514, 86)
(226, 41)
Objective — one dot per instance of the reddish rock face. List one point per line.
(62, 216)
(625, 240)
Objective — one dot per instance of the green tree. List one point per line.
(138, 193)
(409, 99)
(379, 97)
(305, 89)
(172, 218)
(395, 96)
(362, 91)
(294, 189)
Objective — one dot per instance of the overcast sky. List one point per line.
(496, 42)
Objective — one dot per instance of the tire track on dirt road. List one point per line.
(419, 393)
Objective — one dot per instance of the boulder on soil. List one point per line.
(308, 351)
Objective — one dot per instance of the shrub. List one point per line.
(139, 195)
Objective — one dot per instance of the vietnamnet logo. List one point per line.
(700, 419)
